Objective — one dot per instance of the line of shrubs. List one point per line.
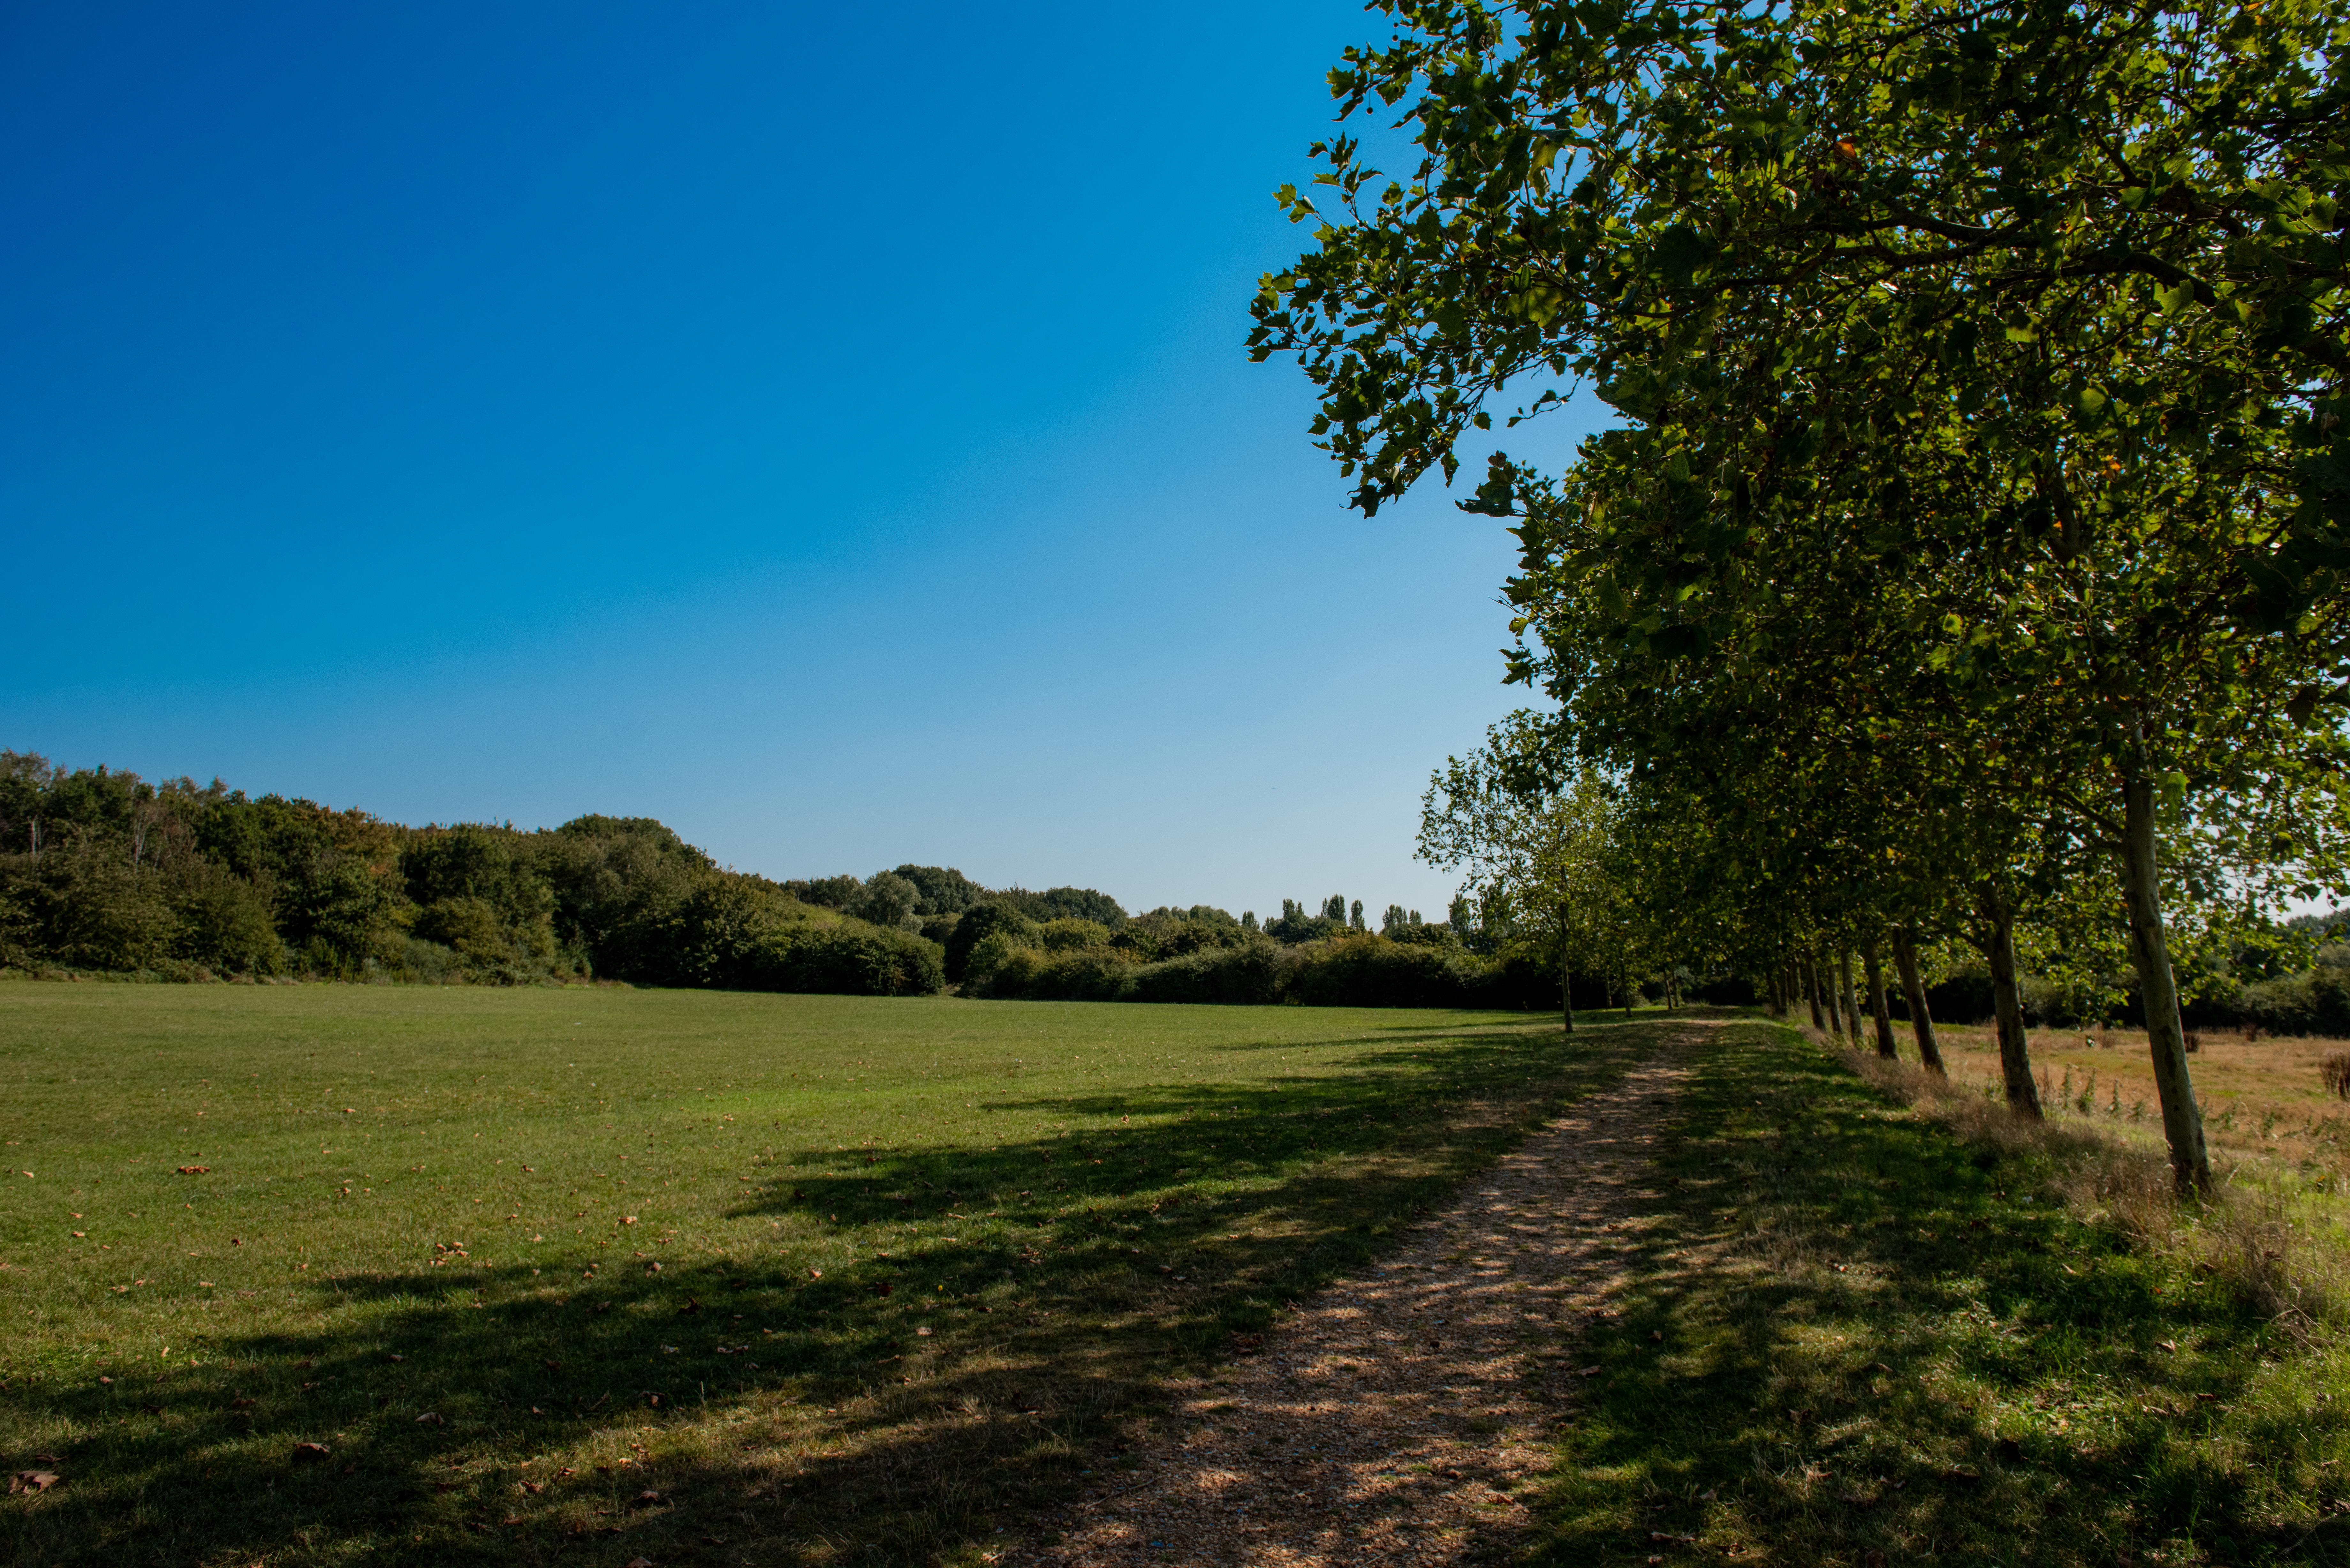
(2314, 1002)
(997, 954)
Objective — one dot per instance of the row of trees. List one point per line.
(1971, 556)
(105, 871)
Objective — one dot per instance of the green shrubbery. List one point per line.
(1354, 969)
(104, 872)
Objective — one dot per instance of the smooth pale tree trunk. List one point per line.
(2157, 989)
(1851, 1004)
(1811, 991)
(1829, 998)
(1882, 1013)
(2014, 1047)
(1922, 1017)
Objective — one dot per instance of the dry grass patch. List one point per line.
(1872, 1321)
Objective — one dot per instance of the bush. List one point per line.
(1070, 935)
(1087, 974)
(886, 900)
(980, 922)
(846, 960)
(1250, 972)
(1372, 971)
(2315, 1002)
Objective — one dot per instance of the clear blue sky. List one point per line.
(823, 428)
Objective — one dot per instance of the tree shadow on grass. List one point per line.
(1856, 1338)
(902, 1409)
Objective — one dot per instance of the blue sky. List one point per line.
(824, 429)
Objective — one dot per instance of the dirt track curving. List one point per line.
(1392, 1419)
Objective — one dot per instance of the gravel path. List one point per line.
(1391, 1417)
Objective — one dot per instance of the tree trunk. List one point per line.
(1851, 1005)
(2014, 1047)
(1812, 991)
(1922, 1017)
(1774, 989)
(1567, 994)
(1883, 1014)
(2157, 989)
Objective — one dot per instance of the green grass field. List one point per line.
(585, 1275)
(1851, 1336)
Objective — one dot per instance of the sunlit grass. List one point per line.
(832, 1279)
(2264, 1099)
(1857, 1335)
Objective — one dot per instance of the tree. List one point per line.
(1533, 843)
(2039, 311)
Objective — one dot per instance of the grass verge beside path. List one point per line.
(1853, 1338)
(584, 1276)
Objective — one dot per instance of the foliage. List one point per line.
(1981, 494)
(175, 879)
(943, 889)
(1063, 903)
(978, 922)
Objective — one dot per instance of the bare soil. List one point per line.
(1395, 1417)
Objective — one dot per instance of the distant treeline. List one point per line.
(104, 872)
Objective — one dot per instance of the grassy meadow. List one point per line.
(583, 1275)
(2265, 1106)
(1855, 1332)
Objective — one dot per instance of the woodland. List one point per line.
(1969, 556)
(108, 874)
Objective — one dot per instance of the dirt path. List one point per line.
(1390, 1418)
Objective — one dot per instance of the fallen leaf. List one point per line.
(429, 1419)
(310, 1452)
(648, 1496)
(640, 1563)
(535, 1487)
(628, 1218)
(32, 1481)
(399, 1358)
(815, 1273)
(2166, 1345)
(184, 1170)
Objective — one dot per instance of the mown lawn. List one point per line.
(1853, 1336)
(586, 1275)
